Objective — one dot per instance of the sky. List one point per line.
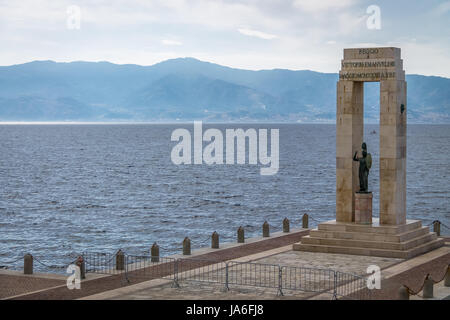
(263, 34)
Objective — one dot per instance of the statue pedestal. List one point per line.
(363, 208)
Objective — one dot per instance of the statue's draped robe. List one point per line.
(363, 174)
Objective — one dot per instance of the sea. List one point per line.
(71, 188)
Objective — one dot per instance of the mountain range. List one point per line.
(189, 89)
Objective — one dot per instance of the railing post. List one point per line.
(186, 246)
(28, 264)
(437, 227)
(403, 293)
(226, 288)
(285, 225)
(334, 285)
(81, 264)
(428, 287)
(126, 266)
(265, 229)
(240, 235)
(120, 260)
(154, 252)
(447, 277)
(305, 221)
(175, 274)
(215, 240)
(280, 281)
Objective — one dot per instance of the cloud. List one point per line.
(309, 34)
(256, 33)
(322, 5)
(167, 42)
(442, 9)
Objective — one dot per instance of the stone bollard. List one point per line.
(120, 260)
(215, 240)
(285, 225)
(80, 263)
(437, 227)
(154, 253)
(305, 221)
(447, 277)
(428, 288)
(403, 293)
(28, 264)
(240, 235)
(186, 246)
(265, 229)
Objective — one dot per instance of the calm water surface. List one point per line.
(69, 188)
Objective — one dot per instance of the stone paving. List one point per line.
(396, 272)
(339, 262)
(193, 290)
(203, 291)
(108, 283)
(12, 285)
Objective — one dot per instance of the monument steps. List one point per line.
(402, 237)
(393, 241)
(406, 245)
(439, 242)
(388, 253)
(375, 227)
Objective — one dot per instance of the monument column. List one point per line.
(354, 231)
(349, 134)
(393, 152)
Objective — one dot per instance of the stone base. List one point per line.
(394, 241)
(363, 208)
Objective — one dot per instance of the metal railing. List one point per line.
(308, 279)
(201, 270)
(140, 268)
(253, 274)
(351, 286)
(144, 268)
(103, 263)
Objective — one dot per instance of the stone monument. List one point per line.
(353, 232)
(363, 197)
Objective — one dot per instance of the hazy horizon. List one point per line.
(192, 58)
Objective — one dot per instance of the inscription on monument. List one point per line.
(368, 50)
(367, 75)
(368, 64)
(371, 64)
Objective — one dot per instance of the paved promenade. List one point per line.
(55, 289)
(190, 290)
(394, 273)
(274, 250)
(15, 283)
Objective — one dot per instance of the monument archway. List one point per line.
(354, 231)
(383, 65)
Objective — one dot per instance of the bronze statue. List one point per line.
(365, 163)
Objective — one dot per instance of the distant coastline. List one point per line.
(189, 89)
(189, 122)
